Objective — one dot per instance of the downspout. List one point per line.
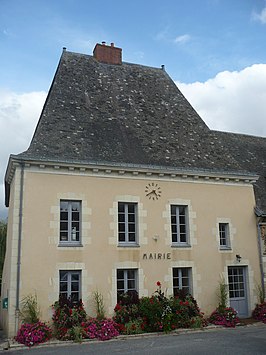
(260, 257)
(19, 245)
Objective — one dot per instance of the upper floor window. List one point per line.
(224, 236)
(70, 282)
(179, 228)
(127, 222)
(182, 280)
(70, 218)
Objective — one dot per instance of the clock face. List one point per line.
(153, 191)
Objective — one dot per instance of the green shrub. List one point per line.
(159, 313)
(99, 305)
(29, 310)
(67, 315)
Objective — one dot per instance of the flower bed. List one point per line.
(259, 312)
(33, 334)
(71, 323)
(226, 317)
(157, 313)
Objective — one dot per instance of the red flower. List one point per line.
(158, 283)
(117, 307)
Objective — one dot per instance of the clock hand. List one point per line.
(152, 192)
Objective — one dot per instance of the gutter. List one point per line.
(19, 245)
(261, 260)
(260, 214)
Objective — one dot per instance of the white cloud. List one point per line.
(165, 36)
(182, 39)
(261, 17)
(232, 101)
(19, 114)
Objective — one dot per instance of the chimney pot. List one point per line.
(112, 44)
(103, 43)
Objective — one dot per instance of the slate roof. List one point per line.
(250, 152)
(134, 114)
(127, 113)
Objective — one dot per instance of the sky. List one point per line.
(214, 50)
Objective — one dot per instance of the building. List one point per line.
(124, 185)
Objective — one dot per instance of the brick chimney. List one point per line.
(107, 54)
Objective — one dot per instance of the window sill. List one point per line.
(177, 245)
(128, 245)
(225, 248)
(69, 244)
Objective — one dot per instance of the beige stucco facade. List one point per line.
(210, 200)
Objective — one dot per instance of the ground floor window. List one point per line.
(182, 281)
(70, 284)
(126, 281)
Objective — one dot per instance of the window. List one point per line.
(127, 222)
(224, 235)
(236, 281)
(182, 280)
(70, 221)
(179, 227)
(126, 281)
(70, 285)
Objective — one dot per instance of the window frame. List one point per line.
(224, 235)
(125, 281)
(175, 227)
(180, 277)
(127, 223)
(69, 282)
(69, 241)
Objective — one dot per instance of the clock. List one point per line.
(153, 191)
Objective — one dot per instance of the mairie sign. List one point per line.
(156, 256)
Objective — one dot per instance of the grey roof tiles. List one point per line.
(134, 114)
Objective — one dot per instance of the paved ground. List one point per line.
(245, 340)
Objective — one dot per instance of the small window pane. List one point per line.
(63, 286)
(63, 216)
(121, 217)
(131, 227)
(131, 285)
(75, 297)
(64, 206)
(120, 274)
(122, 237)
(131, 218)
(74, 286)
(131, 208)
(121, 207)
(75, 277)
(121, 227)
(75, 216)
(63, 275)
(131, 237)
